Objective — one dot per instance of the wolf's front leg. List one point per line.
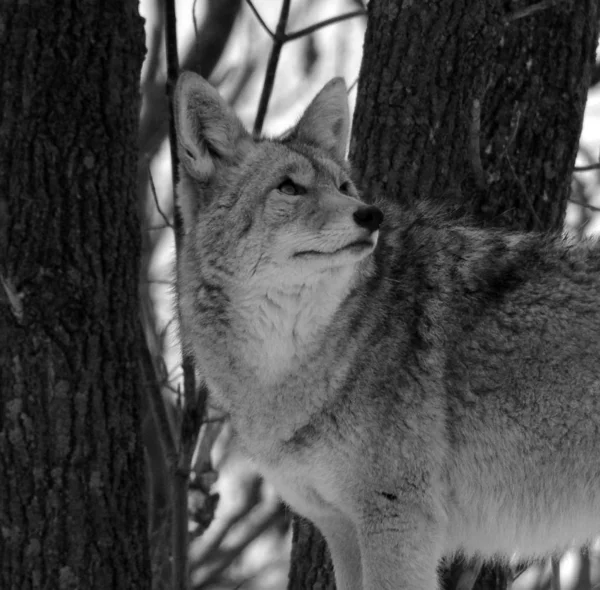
(342, 541)
(399, 553)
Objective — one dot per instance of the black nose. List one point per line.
(369, 217)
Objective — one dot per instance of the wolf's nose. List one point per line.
(368, 217)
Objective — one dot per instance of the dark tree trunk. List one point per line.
(532, 112)
(72, 507)
(311, 564)
(480, 102)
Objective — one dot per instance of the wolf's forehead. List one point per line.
(289, 158)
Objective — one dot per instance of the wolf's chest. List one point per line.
(276, 333)
(280, 338)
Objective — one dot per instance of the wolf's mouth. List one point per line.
(353, 247)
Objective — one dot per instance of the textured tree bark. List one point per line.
(532, 112)
(72, 506)
(475, 101)
(310, 564)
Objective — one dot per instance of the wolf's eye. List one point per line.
(345, 188)
(288, 187)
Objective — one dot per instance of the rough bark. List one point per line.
(425, 69)
(310, 563)
(463, 100)
(72, 507)
(532, 112)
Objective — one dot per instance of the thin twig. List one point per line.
(171, 388)
(587, 168)
(529, 10)
(201, 462)
(208, 544)
(157, 405)
(156, 203)
(351, 87)
(194, 410)
(256, 522)
(278, 41)
(324, 23)
(260, 19)
(585, 205)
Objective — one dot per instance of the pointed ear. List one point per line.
(326, 121)
(208, 131)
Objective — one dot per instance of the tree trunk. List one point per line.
(480, 102)
(72, 507)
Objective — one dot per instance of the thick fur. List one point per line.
(435, 391)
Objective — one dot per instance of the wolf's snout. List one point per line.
(369, 217)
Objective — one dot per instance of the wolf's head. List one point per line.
(282, 209)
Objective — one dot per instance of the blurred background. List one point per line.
(247, 544)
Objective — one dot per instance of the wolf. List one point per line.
(413, 384)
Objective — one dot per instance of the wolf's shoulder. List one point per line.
(450, 251)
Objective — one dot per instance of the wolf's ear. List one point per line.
(208, 131)
(326, 121)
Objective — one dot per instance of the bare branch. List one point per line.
(260, 19)
(587, 168)
(324, 23)
(201, 462)
(351, 87)
(207, 544)
(156, 203)
(157, 407)
(585, 205)
(193, 414)
(174, 390)
(279, 40)
(529, 10)
(257, 521)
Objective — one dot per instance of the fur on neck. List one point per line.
(275, 327)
